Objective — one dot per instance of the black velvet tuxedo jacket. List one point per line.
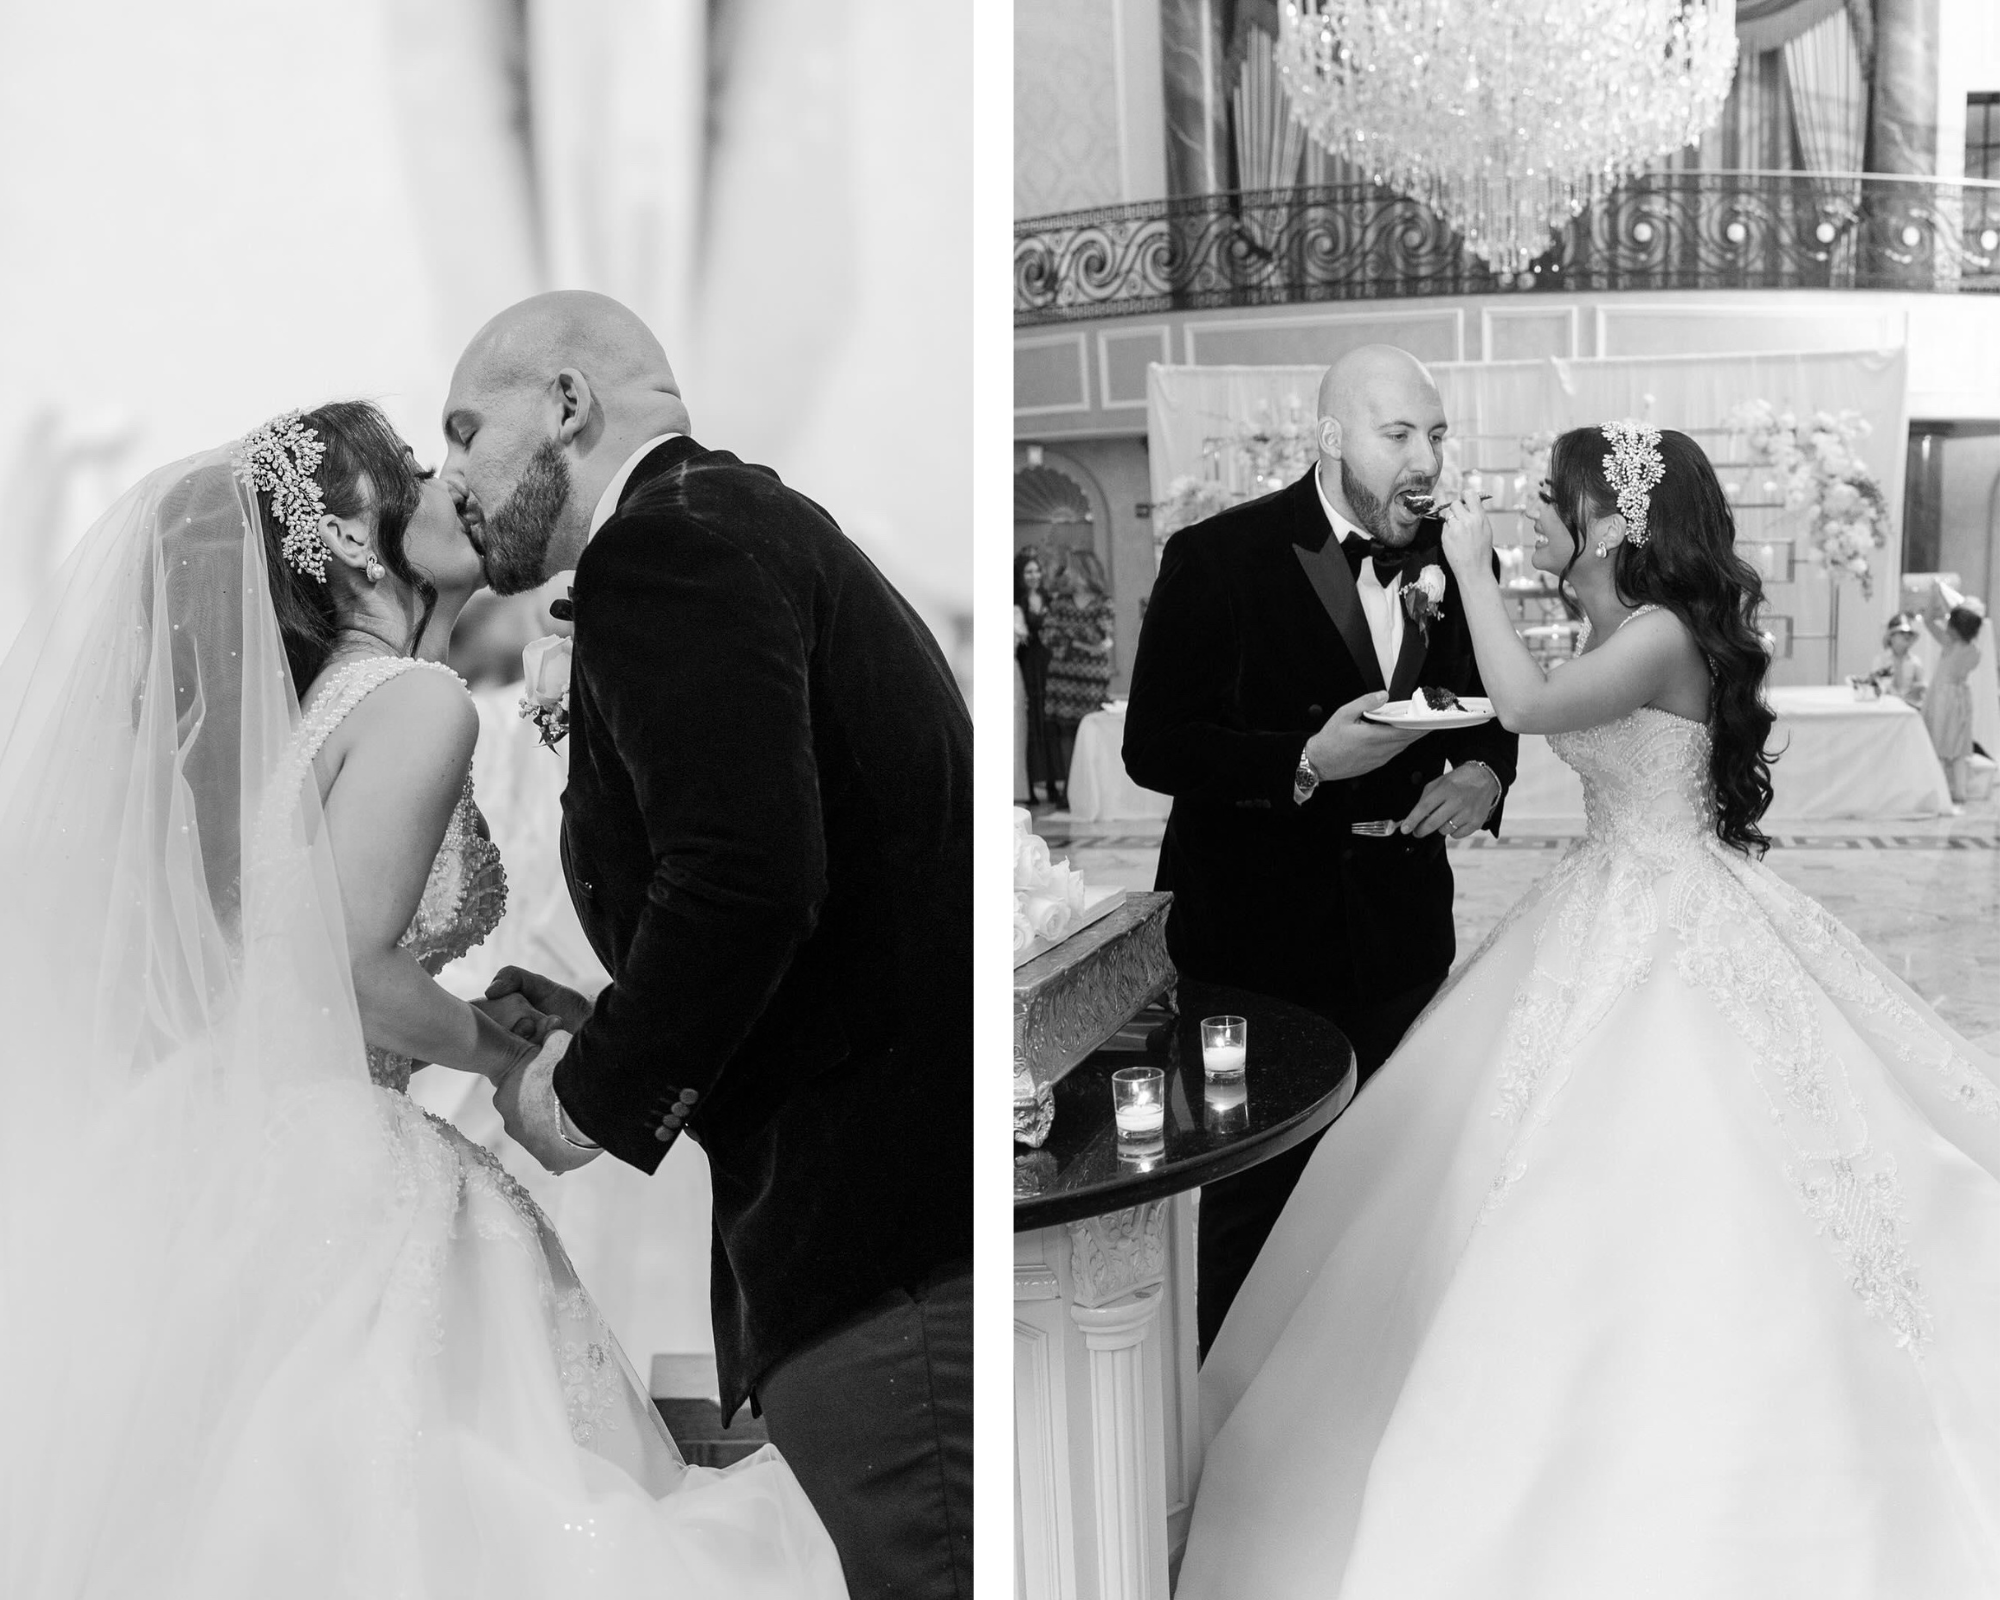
(1254, 636)
(767, 834)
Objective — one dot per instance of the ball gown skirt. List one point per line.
(1663, 1259)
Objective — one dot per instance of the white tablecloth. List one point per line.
(1843, 758)
(1099, 791)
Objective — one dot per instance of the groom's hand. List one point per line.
(526, 1101)
(1349, 745)
(568, 1009)
(1457, 801)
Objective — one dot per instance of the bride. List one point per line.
(1663, 1258)
(268, 1328)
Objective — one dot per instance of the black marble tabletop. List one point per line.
(1299, 1077)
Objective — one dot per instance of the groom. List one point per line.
(1271, 629)
(767, 836)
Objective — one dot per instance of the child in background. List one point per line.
(1948, 706)
(1902, 671)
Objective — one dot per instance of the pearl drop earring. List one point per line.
(375, 569)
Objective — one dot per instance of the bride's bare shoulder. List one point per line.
(421, 722)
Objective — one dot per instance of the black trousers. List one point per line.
(1237, 1214)
(875, 1417)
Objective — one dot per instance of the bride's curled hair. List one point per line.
(1689, 566)
(364, 464)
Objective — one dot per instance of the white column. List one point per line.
(1126, 1447)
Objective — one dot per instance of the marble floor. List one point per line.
(1924, 896)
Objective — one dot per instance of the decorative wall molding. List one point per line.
(1431, 333)
(1122, 378)
(1496, 344)
(1051, 375)
(1783, 325)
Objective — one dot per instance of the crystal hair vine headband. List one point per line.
(280, 458)
(1633, 469)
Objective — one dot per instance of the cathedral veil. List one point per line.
(187, 1134)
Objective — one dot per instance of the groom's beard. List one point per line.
(516, 537)
(1372, 512)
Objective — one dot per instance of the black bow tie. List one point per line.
(1390, 561)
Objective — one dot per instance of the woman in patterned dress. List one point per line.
(1079, 636)
(1031, 655)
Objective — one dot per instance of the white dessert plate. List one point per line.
(1415, 714)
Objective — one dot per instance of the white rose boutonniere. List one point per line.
(1423, 597)
(546, 703)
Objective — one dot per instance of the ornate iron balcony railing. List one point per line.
(1669, 230)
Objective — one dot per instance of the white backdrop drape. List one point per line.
(1493, 404)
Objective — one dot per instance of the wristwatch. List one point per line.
(1304, 781)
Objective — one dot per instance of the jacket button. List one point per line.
(1416, 777)
(1316, 711)
(689, 1096)
(663, 1134)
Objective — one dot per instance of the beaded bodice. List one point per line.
(1645, 779)
(466, 893)
(1645, 776)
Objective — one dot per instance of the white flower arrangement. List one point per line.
(1276, 448)
(1848, 515)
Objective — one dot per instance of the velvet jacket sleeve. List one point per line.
(1180, 736)
(698, 666)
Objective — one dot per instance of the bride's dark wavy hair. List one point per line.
(1689, 566)
(361, 452)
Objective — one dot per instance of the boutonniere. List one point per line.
(545, 664)
(1423, 597)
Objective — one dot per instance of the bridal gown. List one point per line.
(1662, 1259)
(484, 1435)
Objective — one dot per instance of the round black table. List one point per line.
(1300, 1076)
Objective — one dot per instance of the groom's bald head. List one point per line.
(1381, 439)
(549, 400)
(529, 343)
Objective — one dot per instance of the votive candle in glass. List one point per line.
(1139, 1102)
(1225, 1046)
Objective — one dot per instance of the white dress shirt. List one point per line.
(1378, 605)
(607, 502)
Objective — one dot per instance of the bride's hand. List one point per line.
(1468, 540)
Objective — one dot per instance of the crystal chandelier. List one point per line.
(1506, 117)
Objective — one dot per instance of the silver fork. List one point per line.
(1373, 830)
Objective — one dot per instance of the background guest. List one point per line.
(1906, 676)
(1948, 705)
(1078, 633)
(1023, 789)
(1031, 600)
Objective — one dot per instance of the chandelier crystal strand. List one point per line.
(1506, 117)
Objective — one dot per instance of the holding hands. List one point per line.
(546, 1014)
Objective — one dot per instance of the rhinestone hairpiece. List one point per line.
(1633, 469)
(280, 458)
